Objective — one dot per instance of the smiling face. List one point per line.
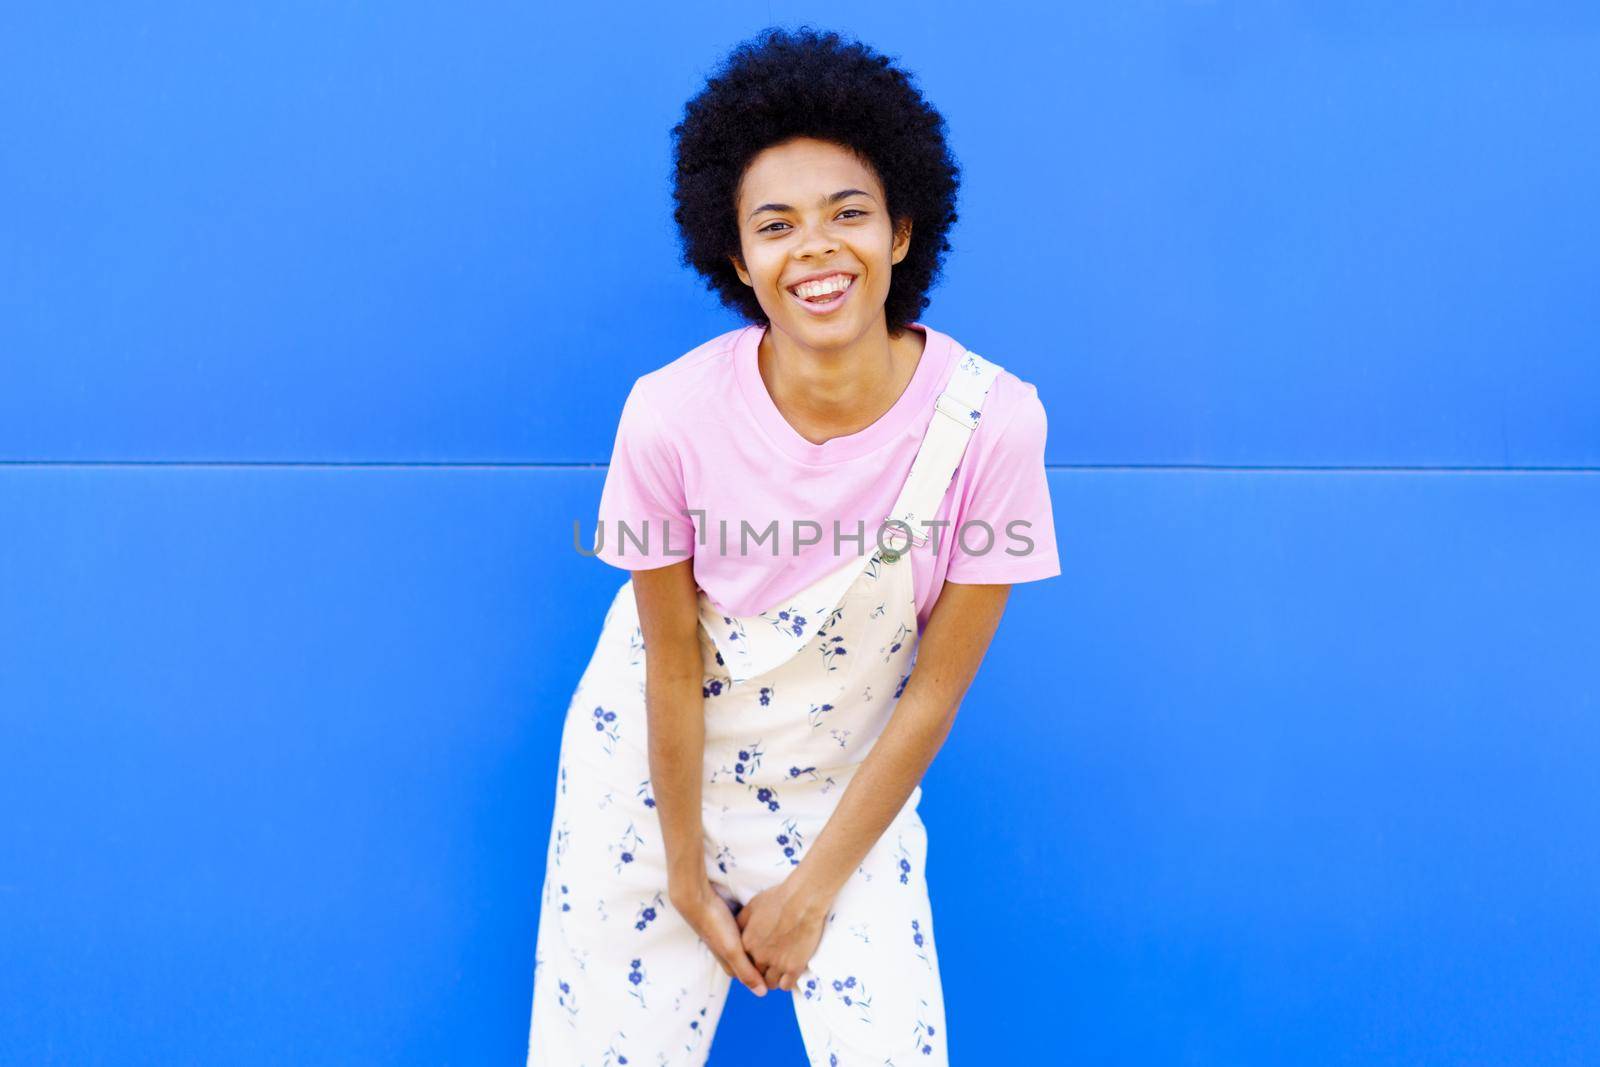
(813, 215)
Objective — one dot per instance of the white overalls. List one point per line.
(794, 699)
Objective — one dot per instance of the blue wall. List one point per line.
(314, 328)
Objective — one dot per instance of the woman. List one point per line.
(739, 773)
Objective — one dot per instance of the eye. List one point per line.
(769, 227)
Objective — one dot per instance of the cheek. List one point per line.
(878, 259)
(765, 271)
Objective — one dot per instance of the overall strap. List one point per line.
(956, 414)
(750, 646)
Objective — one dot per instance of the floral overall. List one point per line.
(794, 698)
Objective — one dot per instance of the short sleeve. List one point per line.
(642, 522)
(1010, 494)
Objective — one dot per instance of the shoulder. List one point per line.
(1013, 410)
(674, 400)
(1013, 417)
(666, 398)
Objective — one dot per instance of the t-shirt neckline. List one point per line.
(915, 399)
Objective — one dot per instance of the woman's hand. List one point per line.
(712, 919)
(781, 928)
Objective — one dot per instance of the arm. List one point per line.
(669, 621)
(782, 933)
(675, 710)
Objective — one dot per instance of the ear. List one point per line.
(902, 240)
(738, 268)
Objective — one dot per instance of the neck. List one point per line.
(832, 392)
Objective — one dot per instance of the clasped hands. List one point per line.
(771, 940)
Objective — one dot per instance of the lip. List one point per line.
(831, 305)
(817, 276)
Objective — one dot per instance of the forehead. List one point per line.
(803, 171)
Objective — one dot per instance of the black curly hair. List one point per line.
(780, 85)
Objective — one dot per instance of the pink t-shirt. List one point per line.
(703, 434)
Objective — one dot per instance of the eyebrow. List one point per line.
(835, 198)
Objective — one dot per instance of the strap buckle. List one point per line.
(892, 533)
(950, 405)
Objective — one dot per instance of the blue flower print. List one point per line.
(563, 839)
(809, 772)
(832, 648)
(818, 714)
(613, 1057)
(735, 632)
(566, 905)
(789, 620)
(711, 688)
(568, 1001)
(605, 722)
(901, 688)
(766, 695)
(746, 762)
(647, 913)
(853, 994)
(810, 988)
(924, 1033)
(901, 634)
(790, 842)
(767, 797)
(638, 981)
(646, 795)
(904, 860)
(725, 859)
(626, 848)
(697, 1032)
(919, 941)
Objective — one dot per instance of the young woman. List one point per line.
(810, 507)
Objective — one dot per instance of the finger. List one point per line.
(742, 917)
(743, 968)
(787, 981)
(722, 937)
(774, 973)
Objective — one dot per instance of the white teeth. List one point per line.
(837, 283)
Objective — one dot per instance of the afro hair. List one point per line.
(781, 85)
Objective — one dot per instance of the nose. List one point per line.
(818, 241)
